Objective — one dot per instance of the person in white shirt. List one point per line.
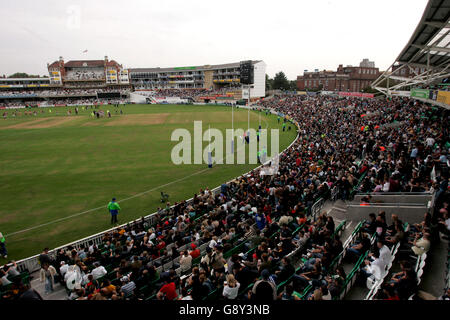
(374, 267)
(385, 253)
(429, 141)
(69, 272)
(63, 269)
(152, 235)
(213, 242)
(231, 288)
(185, 261)
(99, 271)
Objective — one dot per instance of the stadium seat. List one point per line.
(168, 265)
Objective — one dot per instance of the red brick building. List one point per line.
(91, 73)
(349, 78)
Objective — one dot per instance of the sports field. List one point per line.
(55, 168)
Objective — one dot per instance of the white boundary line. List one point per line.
(129, 198)
(103, 207)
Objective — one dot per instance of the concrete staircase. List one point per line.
(59, 292)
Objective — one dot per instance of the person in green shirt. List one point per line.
(3, 250)
(113, 208)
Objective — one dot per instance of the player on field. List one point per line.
(113, 208)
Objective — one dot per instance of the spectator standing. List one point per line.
(47, 275)
(44, 257)
(264, 290)
(185, 261)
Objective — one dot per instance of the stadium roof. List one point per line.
(428, 47)
(85, 63)
(197, 68)
(432, 36)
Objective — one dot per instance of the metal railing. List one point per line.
(316, 208)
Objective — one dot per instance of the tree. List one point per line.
(269, 83)
(280, 81)
(23, 75)
(293, 85)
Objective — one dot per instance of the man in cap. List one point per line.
(127, 286)
(264, 289)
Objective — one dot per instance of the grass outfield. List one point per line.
(55, 166)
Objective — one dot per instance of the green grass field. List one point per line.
(55, 166)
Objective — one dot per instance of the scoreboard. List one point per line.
(246, 72)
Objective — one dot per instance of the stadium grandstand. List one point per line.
(81, 82)
(358, 210)
(69, 83)
(200, 83)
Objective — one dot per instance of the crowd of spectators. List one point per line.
(189, 93)
(413, 241)
(62, 102)
(63, 92)
(237, 243)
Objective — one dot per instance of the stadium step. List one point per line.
(59, 292)
(433, 280)
(336, 209)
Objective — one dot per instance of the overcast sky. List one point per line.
(288, 35)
